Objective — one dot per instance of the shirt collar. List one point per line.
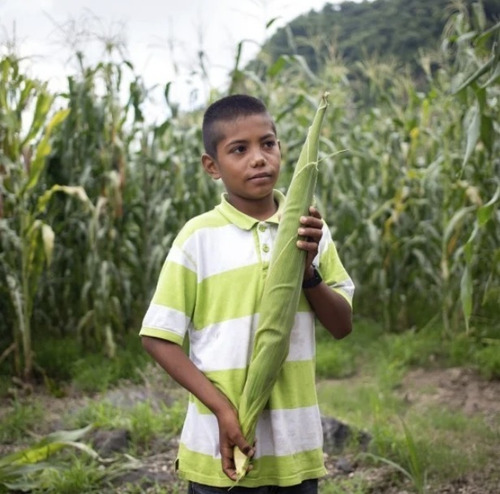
(243, 221)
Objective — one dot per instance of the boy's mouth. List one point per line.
(260, 175)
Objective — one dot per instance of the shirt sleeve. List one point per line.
(169, 314)
(331, 268)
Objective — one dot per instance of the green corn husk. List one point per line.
(282, 291)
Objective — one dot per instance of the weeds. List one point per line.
(79, 475)
(18, 422)
(25, 469)
(148, 422)
(413, 460)
(334, 360)
(102, 414)
(354, 485)
(488, 359)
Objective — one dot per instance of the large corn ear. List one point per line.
(282, 291)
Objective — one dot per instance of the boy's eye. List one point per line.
(238, 149)
(270, 144)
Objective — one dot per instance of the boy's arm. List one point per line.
(332, 310)
(177, 364)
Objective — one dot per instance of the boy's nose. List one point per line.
(258, 159)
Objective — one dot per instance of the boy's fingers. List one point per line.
(310, 234)
(230, 472)
(227, 453)
(311, 222)
(311, 230)
(311, 237)
(249, 451)
(228, 463)
(308, 246)
(314, 212)
(245, 447)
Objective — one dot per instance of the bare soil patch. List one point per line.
(456, 388)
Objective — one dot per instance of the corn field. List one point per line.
(92, 195)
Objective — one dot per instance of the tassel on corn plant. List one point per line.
(281, 292)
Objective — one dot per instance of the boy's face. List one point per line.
(248, 160)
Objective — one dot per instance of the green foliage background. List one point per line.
(91, 195)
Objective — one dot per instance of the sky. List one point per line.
(162, 38)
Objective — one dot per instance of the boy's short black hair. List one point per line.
(227, 109)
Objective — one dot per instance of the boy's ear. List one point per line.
(210, 166)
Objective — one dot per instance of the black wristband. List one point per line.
(314, 281)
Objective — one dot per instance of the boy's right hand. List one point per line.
(230, 435)
(178, 365)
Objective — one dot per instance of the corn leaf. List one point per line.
(48, 237)
(74, 191)
(472, 123)
(43, 149)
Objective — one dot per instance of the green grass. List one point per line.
(488, 360)
(177, 488)
(55, 357)
(80, 475)
(5, 384)
(424, 441)
(94, 372)
(370, 348)
(148, 422)
(144, 421)
(437, 436)
(102, 414)
(21, 419)
(63, 360)
(334, 360)
(351, 485)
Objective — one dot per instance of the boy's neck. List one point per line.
(261, 209)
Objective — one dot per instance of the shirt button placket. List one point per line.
(265, 241)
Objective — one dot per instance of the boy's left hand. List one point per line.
(311, 227)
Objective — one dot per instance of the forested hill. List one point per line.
(394, 28)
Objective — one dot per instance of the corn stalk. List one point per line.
(91, 149)
(477, 83)
(27, 241)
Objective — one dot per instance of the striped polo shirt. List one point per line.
(209, 290)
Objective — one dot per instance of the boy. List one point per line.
(209, 289)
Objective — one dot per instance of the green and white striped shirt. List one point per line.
(209, 289)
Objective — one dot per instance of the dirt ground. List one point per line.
(457, 389)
